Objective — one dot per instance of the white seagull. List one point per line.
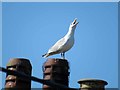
(65, 43)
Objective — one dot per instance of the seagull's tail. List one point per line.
(45, 55)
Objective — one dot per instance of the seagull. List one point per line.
(65, 43)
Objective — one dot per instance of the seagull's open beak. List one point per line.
(75, 21)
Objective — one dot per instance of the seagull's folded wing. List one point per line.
(57, 46)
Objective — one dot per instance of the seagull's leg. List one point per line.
(63, 55)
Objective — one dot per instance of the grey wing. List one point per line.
(57, 46)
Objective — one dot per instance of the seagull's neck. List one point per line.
(70, 33)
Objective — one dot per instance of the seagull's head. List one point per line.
(74, 24)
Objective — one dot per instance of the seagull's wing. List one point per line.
(57, 46)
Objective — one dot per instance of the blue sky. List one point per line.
(30, 29)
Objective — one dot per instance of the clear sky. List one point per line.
(30, 29)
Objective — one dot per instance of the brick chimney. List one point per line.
(56, 70)
(14, 82)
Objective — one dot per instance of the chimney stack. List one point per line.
(92, 84)
(56, 70)
(14, 82)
